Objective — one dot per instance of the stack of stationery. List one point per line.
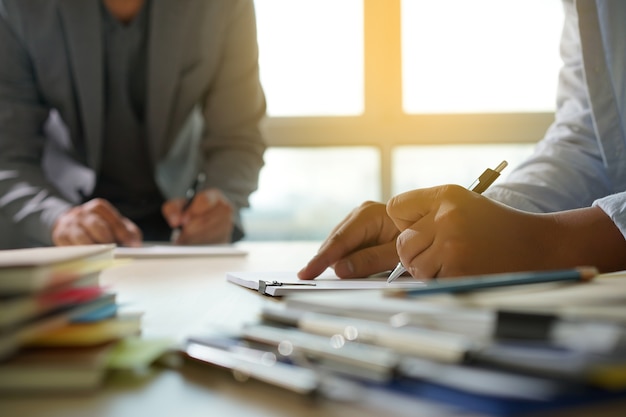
(506, 345)
(59, 326)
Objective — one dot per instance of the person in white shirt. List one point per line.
(563, 207)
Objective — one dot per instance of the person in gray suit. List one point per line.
(111, 109)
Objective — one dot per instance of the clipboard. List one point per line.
(277, 284)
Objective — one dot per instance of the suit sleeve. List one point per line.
(233, 145)
(26, 199)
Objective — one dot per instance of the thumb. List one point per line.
(407, 208)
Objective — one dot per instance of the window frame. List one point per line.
(384, 124)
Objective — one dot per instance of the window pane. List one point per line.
(311, 56)
(304, 192)
(427, 166)
(480, 55)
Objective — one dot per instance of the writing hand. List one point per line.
(361, 245)
(95, 221)
(450, 231)
(208, 219)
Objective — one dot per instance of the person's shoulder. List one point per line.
(21, 11)
(18, 7)
(26, 18)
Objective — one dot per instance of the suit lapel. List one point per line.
(82, 25)
(164, 53)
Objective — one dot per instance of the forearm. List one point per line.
(586, 237)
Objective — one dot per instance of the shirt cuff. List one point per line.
(615, 207)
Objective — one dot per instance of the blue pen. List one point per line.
(471, 283)
(481, 184)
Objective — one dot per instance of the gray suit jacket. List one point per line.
(204, 103)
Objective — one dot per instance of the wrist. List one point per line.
(587, 236)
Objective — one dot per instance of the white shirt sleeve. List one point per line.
(567, 169)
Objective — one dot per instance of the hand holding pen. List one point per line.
(203, 216)
(190, 194)
(449, 231)
(481, 184)
(364, 243)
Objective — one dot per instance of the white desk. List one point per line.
(182, 296)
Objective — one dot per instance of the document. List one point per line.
(277, 284)
(169, 251)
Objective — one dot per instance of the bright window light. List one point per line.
(311, 56)
(428, 166)
(304, 192)
(480, 55)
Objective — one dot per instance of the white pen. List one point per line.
(481, 184)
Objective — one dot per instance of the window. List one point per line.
(368, 98)
(474, 56)
(430, 165)
(311, 56)
(305, 192)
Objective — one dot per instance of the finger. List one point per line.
(124, 230)
(427, 265)
(203, 203)
(172, 211)
(133, 235)
(366, 226)
(361, 229)
(214, 226)
(368, 261)
(416, 238)
(97, 229)
(407, 208)
(334, 230)
(319, 262)
(76, 235)
(61, 239)
(337, 245)
(414, 247)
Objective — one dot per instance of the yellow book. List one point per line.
(92, 333)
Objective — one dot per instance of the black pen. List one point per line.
(190, 194)
(481, 184)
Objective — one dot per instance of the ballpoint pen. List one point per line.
(190, 194)
(481, 184)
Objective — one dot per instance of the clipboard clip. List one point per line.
(264, 284)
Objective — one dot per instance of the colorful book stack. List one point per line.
(58, 325)
(508, 351)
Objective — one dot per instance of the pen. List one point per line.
(189, 195)
(481, 184)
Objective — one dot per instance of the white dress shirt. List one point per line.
(581, 161)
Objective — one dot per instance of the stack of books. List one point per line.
(505, 351)
(58, 325)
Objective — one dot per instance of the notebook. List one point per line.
(172, 251)
(278, 284)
